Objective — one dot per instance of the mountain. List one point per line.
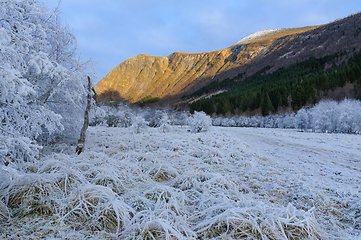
(181, 74)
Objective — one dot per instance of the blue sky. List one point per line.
(111, 31)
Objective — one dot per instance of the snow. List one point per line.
(256, 35)
(220, 184)
(286, 55)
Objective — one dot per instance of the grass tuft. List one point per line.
(260, 222)
(99, 208)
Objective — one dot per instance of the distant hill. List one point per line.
(181, 75)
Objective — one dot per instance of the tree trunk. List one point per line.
(81, 141)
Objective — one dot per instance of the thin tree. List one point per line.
(81, 141)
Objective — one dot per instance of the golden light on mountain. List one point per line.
(180, 74)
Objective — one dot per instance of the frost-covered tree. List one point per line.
(165, 122)
(326, 116)
(349, 116)
(139, 125)
(180, 118)
(200, 122)
(224, 122)
(331, 116)
(303, 119)
(40, 53)
(323, 116)
(243, 121)
(43, 80)
(289, 121)
(112, 116)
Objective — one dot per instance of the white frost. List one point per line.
(226, 183)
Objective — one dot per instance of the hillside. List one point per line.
(180, 74)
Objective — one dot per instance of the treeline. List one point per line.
(294, 86)
(325, 116)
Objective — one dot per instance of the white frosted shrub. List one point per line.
(139, 125)
(303, 119)
(270, 121)
(154, 116)
(42, 72)
(124, 116)
(323, 116)
(180, 118)
(223, 122)
(97, 115)
(255, 121)
(331, 116)
(216, 121)
(165, 123)
(112, 116)
(349, 116)
(228, 122)
(289, 120)
(243, 121)
(200, 122)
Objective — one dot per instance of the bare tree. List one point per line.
(81, 141)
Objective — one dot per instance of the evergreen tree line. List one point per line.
(293, 86)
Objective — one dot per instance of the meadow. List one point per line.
(170, 183)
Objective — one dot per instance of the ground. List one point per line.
(227, 183)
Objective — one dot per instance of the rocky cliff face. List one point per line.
(180, 74)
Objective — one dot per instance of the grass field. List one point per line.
(227, 183)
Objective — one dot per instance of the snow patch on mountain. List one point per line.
(256, 35)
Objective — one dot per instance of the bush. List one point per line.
(118, 116)
(331, 116)
(200, 122)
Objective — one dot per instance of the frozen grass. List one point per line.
(4, 211)
(260, 221)
(230, 183)
(97, 207)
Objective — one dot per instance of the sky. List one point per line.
(111, 31)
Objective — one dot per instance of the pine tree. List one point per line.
(266, 104)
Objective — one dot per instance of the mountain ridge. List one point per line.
(179, 74)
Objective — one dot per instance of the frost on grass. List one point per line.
(210, 185)
(261, 221)
(4, 211)
(97, 207)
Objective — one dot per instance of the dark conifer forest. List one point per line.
(294, 86)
